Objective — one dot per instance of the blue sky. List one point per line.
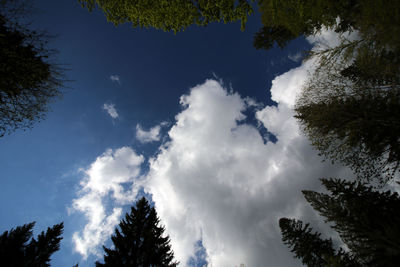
(142, 74)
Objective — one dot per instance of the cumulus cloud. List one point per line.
(104, 183)
(115, 78)
(152, 135)
(217, 179)
(110, 108)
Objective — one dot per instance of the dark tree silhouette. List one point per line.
(17, 251)
(140, 240)
(310, 247)
(367, 221)
(350, 114)
(29, 81)
(307, 17)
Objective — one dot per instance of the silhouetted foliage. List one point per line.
(367, 221)
(18, 248)
(139, 241)
(268, 36)
(28, 80)
(350, 114)
(376, 21)
(174, 15)
(310, 247)
(349, 107)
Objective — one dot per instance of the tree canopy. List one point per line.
(350, 114)
(366, 220)
(29, 81)
(374, 20)
(348, 107)
(140, 240)
(174, 15)
(19, 249)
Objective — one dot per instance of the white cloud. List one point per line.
(217, 180)
(104, 181)
(115, 78)
(110, 108)
(151, 135)
(295, 57)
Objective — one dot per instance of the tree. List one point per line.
(284, 21)
(372, 19)
(310, 248)
(29, 81)
(16, 251)
(366, 220)
(174, 15)
(350, 114)
(348, 107)
(140, 240)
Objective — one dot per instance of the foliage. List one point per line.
(350, 114)
(296, 18)
(309, 247)
(140, 241)
(16, 251)
(349, 107)
(29, 81)
(174, 15)
(366, 220)
(376, 21)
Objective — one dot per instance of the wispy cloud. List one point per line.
(297, 57)
(110, 108)
(115, 78)
(103, 183)
(152, 135)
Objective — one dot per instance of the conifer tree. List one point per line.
(307, 246)
(16, 251)
(367, 221)
(360, 130)
(140, 240)
(310, 247)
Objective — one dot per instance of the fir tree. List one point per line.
(16, 251)
(140, 240)
(307, 246)
(366, 220)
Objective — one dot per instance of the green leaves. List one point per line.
(174, 15)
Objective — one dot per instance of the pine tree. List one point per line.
(140, 240)
(366, 220)
(15, 251)
(307, 246)
(361, 131)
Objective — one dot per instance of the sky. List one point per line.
(199, 122)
